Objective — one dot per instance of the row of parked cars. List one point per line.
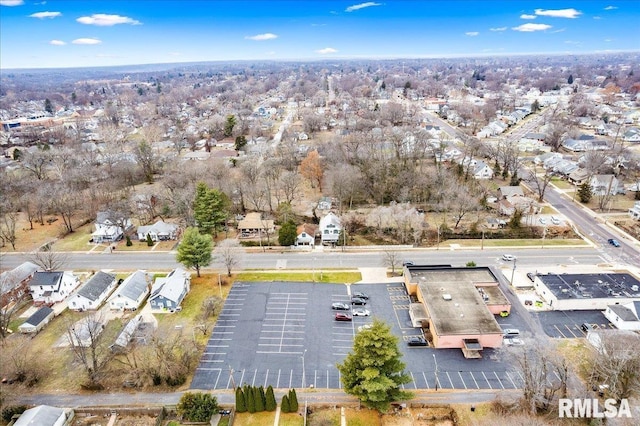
(359, 299)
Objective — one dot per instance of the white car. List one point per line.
(508, 257)
(543, 221)
(365, 327)
(513, 342)
(360, 312)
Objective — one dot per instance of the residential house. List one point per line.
(42, 415)
(578, 176)
(14, 283)
(507, 192)
(127, 334)
(159, 231)
(37, 321)
(306, 235)
(92, 293)
(493, 223)
(634, 212)
(51, 287)
(254, 225)
(326, 203)
(330, 228)
(603, 184)
(632, 135)
(132, 292)
(110, 227)
(624, 317)
(481, 170)
(168, 292)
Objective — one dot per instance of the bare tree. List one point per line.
(538, 183)
(230, 253)
(616, 364)
(12, 299)
(21, 363)
(90, 348)
(48, 259)
(392, 259)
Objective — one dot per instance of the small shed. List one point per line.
(37, 321)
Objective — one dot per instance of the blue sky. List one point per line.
(50, 34)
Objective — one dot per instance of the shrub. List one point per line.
(241, 405)
(9, 411)
(284, 405)
(257, 397)
(197, 407)
(270, 400)
(250, 399)
(293, 401)
(149, 241)
(129, 243)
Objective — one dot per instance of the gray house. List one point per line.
(37, 321)
(132, 292)
(159, 231)
(42, 415)
(168, 292)
(93, 292)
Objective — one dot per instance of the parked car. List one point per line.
(586, 327)
(417, 341)
(360, 294)
(360, 312)
(358, 301)
(341, 316)
(339, 306)
(508, 257)
(510, 332)
(555, 220)
(513, 342)
(531, 276)
(543, 221)
(365, 327)
(504, 314)
(407, 263)
(614, 242)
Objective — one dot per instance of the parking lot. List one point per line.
(567, 324)
(267, 332)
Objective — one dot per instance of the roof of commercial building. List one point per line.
(454, 303)
(592, 286)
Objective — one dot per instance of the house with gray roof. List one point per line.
(37, 321)
(132, 292)
(13, 283)
(624, 316)
(42, 415)
(50, 287)
(92, 293)
(159, 231)
(168, 292)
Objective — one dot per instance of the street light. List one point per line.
(303, 374)
(436, 371)
(513, 272)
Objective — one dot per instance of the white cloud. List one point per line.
(610, 7)
(526, 16)
(529, 28)
(498, 29)
(361, 6)
(262, 37)
(326, 50)
(471, 33)
(11, 2)
(102, 20)
(559, 13)
(561, 30)
(86, 41)
(42, 15)
(597, 18)
(57, 43)
(608, 40)
(577, 43)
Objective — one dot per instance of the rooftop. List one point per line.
(592, 286)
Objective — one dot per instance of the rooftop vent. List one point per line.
(446, 296)
(634, 287)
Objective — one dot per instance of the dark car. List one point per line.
(360, 295)
(417, 341)
(358, 301)
(224, 412)
(614, 242)
(531, 276)
(407, 263)
(340, 316)
(338, 306)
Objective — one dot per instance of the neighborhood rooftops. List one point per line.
(39, 316)
(591, 286)
(45, 278)
(96, 286)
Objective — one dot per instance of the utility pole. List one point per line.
(303, 373)
(513, 271)
(436, 370)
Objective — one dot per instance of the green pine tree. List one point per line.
(194, 250)
(257, 398)
(129, 243)
(263, 397)
(584, 193)
(284, 405)
(250, 398)
(293, 401)
(209, 208)
(270, 400)
(241, 405)
(149, 240)
(287, 234)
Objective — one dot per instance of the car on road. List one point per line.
(508, 257)
(360, 294)
(614, 242)
(358, 301)
(365, 327)
(531, 276)
(360, 312)
(341, 316)
(513, 342)
(417, 341)
(339, 306)
(407, 263)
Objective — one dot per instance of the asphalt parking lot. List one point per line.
(566, 324)
(268, 333)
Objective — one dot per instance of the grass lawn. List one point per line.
(290, 419)
(362, 417)
(142, 246)
(77, 241)
(466, 417)
(256, 419)
(562, 184)
(325, 416)
(516, 243)
(579, 354)
(303, 276)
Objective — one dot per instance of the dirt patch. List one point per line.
(103, 420)
(433, 416)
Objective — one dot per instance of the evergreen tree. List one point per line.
(584, 193)
(284, 405)
(197, 406)
(241, 405)
(570, 79)
(373, 372)
(270, 400)
(229, 125)
(209, 208)
(194, 250)
(250, 398)
(149, 240)
(287, 234)
(293, 401)
(129, 243)
(241, 142)
(257, 399)
(535, 106)
(516, 220)
(48, 106)
(74, 97)
(515, 180)
(263, 397)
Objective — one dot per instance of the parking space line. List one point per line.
(425, 380)
(474, 380)
(413, 379)
(242, 377)
(211, 360)
(561, 333)
(266, 377)
(512, 382)
(253, 382)
(449, 377)
(462, 380)
(570, 330)
(278, 379)
(290, 379)
(487, 380)
(499, 381)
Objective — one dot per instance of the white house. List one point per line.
(92, 293)
(603, 184)
(42, 415)
(110, 227)
(624, 317)
(634, 212)
(159, 231)
(37, 321)
(330, 228)
(52, 287)
(132, 292)
(168, 292)
(306, 235)
(481, 170)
